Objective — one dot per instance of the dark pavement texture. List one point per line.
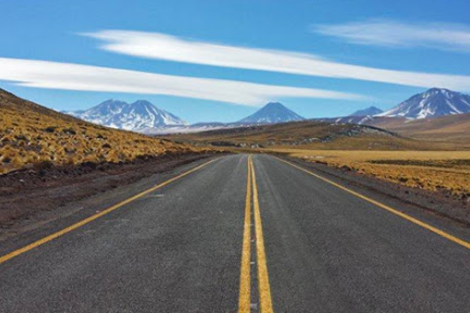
(179, 249)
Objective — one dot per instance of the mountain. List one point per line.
(432, 103)
(272, 113)
(135, 116)
(369, 111)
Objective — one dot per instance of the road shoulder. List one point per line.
(62, 201)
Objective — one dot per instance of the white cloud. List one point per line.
(165, 47)
(442, 36)
(55, 75)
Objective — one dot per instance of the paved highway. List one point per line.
(248, 234)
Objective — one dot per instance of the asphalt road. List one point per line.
(231, 237)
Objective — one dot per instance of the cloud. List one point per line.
(55, 75)
(165, 47)
(377, 32)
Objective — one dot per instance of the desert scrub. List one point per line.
(430, 170)
(50, 129)
(30, 134)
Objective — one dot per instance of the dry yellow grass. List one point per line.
(431, 170)
(32, 134)
(450, 128)
(415, 163)
(313, 135)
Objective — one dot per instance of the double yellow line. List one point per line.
(264, 290)
(263, 278)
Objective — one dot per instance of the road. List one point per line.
(243, 233)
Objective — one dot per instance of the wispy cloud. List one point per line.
(378, 32)
(165, 47)
(55, 75)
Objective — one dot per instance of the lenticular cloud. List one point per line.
(55, 75)
(171, 48)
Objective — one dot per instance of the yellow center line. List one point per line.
(68, 229)
(263, 278)
(411, 219)
(245, 278)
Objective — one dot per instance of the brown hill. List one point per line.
(308, 134)
(451, 128)
(32, 134)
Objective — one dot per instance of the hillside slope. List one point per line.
(32, 134)
(451, 128)
(307, 134)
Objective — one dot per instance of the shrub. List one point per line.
(50, 129)
(69, 131)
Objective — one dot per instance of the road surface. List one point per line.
(243, 233)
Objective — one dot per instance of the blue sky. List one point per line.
(403, 37)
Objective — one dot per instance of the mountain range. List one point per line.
(143, 116)
(433, 103)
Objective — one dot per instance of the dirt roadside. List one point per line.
(32, 197)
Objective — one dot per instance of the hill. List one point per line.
(451, 128)
(308, 135)
(32, 134)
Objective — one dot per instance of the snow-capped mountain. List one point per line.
(135, 116)
(432, 103)
(370, 111)
(271, 113)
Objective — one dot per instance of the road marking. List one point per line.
(411, 219)
(68, 229)
(266, 305)
(245, 278)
